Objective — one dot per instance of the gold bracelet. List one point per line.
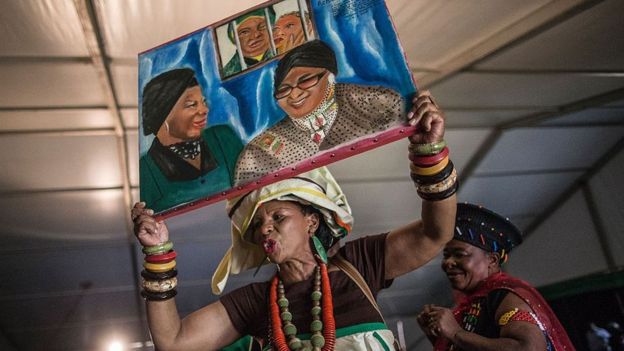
(428, 171)
(159, 267)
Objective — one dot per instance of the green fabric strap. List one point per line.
(320, 250)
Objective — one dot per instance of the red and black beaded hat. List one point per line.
(485, 229)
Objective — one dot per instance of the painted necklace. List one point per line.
(318, 122)
(283, 333)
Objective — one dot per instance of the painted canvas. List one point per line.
(284, 87)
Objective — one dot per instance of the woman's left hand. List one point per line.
(442, 323)
(426, 114)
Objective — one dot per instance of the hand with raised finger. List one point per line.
(428, 117)
(148, 231)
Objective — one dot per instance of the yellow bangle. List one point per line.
(159, 267)
(427, 171)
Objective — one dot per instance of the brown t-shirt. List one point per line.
(248, 306)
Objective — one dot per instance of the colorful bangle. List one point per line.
(159, 267)
(439, 196)
(159, 276)
(441, 186)
(427, 171)
(158, 249)
(160, 285)
(427, 149)
(162, 258)
(436, 178)
(428, 161)
(156, 296)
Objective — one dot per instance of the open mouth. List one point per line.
(255, 43)
(269, 246)
(200, 124)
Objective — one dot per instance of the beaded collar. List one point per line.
(318, 122)
(186, 149)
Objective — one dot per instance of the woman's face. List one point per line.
(307, 86)
(283, 230)
(288, 27)
(466, 265)
(189, 115)
(253, 36)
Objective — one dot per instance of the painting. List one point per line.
(271, 92)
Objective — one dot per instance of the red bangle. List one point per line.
(162, 258)
(427, 161)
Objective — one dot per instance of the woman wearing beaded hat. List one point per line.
(322, 296)
(495, 311)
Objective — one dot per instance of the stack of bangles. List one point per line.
(432, 172)
(159, 275)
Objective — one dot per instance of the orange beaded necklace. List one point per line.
(283, 332)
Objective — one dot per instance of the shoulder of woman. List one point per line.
(369, 91)
(510, 302)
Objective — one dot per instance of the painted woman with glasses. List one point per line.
(322, 114)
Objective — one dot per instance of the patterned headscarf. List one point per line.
(485, 229)
(317, 188)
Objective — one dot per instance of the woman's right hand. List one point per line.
(149, 231)
(423, 322)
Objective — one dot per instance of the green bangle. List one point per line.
(427, 149)
(164, 247)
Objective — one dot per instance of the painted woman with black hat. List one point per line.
(494, 311)
(186, 160)
(321, 113)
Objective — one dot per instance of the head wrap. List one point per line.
(485, 229)
(161, 94)
(317, 188)
(246, 16)
(314, 53)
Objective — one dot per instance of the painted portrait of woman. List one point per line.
(320, 113)
(186, 158)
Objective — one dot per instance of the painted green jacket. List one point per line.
(166, 180)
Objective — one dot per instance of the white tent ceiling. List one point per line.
(534, 95)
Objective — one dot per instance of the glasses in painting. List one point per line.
(303, 83)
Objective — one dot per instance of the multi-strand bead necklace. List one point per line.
(283, 332)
